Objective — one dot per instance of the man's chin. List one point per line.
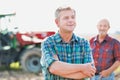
(102, 34)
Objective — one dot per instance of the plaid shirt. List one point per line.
(105, 53)
(77, 51)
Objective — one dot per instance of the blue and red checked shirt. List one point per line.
(78, 51)
(105, 53)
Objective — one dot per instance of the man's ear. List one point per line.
(57, 22)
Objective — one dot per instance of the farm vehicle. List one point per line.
(22, 47)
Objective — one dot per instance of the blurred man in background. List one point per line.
(106, 52)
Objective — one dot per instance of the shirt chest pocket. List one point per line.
(108, 51)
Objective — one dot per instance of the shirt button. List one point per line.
(69, 55)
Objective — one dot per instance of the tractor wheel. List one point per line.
(30, 60)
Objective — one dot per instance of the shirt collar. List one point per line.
(59, 39)
(107, 38)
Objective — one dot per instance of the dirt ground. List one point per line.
(21, 75)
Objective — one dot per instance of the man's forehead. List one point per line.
(67, 12)
(103, 21)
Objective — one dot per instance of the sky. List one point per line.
(39, 14)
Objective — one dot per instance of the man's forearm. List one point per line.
(114, 66)
(62, 68)
(77, 75)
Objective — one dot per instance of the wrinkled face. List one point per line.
(103, 27)
(66, 21)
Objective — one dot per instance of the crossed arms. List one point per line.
(73, 71)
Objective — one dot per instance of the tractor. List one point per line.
(22, 47)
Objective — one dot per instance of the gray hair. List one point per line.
(60, 9)
(105, 20)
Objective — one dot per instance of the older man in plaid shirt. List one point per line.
(106, 52)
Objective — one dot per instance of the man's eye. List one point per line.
(73, 17)
(66, 18)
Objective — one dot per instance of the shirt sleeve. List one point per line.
(47, 55)
(116, 50)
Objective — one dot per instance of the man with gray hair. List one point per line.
(106, 52)
(66, 56)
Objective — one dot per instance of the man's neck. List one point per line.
(66, 36)
(101, 38)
